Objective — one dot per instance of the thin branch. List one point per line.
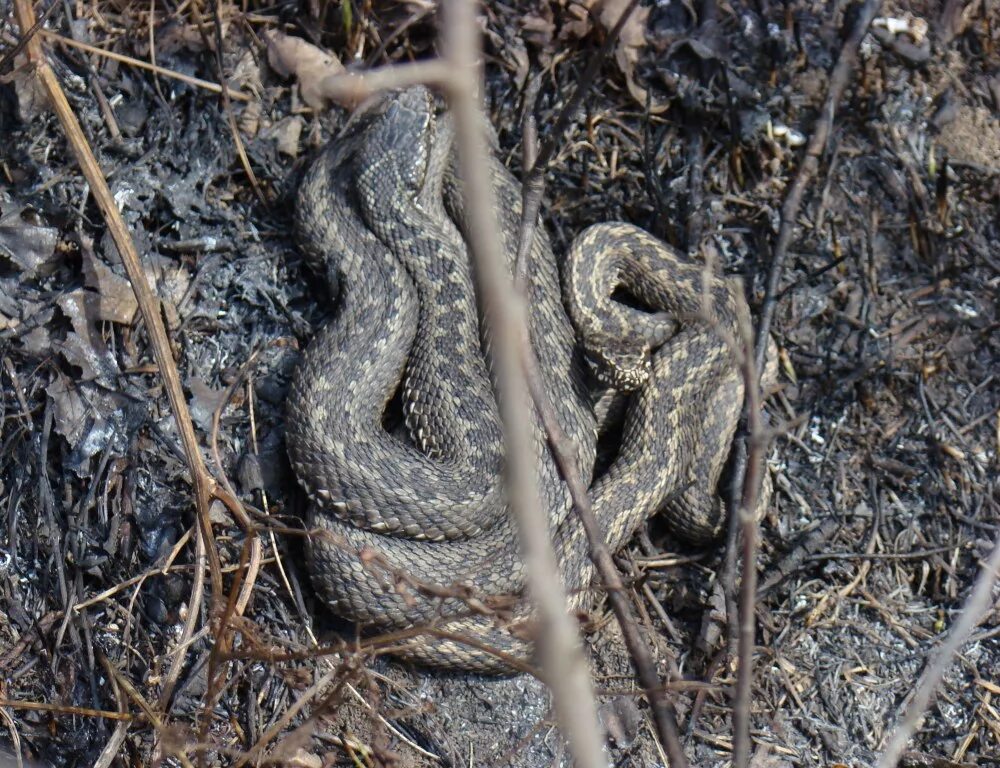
(560, 647)
(533, 187)
(353, 87)
(663, 713)
(197, 82)
(149, 304)
(911, 713)
(742, 474)
(533, 184)
(747, 516)
(810, 163)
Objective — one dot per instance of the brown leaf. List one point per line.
(85, 346)
(29, 245)
(311, 66)
(630, 44)
(286, 134)
(112, 298)
(205, 400)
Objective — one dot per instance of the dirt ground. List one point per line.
(887, 417)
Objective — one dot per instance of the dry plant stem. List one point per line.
(663, 714)
(976, 605)
(352, 88)
(60, 709)
(533, 184)
(140, 64)
(789, 214)
(190, 624)
(149, 305)
(227, 105)
(560, 647)
(749, 529)
(231, 499)
(810, 164)
(536, 162)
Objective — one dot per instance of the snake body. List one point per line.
(413, 528)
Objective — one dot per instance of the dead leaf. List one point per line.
(31, 98)
(621, 719)
(112, 298)
(311, 66)
(92, 419)
(537, 27)
(204, 402)
(629, 46)
(286, 134)
(29, 245)
(85, 346)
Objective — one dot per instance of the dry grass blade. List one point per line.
(197, 82)
(61, 709)
(149, 307)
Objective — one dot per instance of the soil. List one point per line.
(886, 421)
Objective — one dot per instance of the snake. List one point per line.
(393, 426)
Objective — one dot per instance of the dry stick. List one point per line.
(810, 164)
(10, 55)
(140, 64)
(560, 647)
(663, 714)
(741, 476)
(60, 709)
(353, 88)
(908, 719)
(533, 185)
(227, 105)
(747, 516)
(149, 304)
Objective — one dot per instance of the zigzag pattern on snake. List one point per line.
(380, 216)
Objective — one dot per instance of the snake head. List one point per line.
(619, 366)
(399, 139)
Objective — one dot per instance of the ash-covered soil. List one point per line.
(886, 420)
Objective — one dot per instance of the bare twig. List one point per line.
(810, 164)
(352, 87)
(149, 306)
(140, 64)
(533, 183)
(560, 647)
(533, 187)
(748, 526)
(663, 714)
(744, 473)
(227, 104)
(63, 709)
(912, 711)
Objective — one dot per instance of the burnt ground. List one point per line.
(885, 463)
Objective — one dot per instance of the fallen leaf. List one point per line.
(204, 402)
(112, 298)
(31, 98)
(311, 66)
(28, 245)
(629, 46)
(92, 419)
(286, 134)
(85, 346)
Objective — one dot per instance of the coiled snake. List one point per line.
(414, 526)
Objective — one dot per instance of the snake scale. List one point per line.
(410, 524)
